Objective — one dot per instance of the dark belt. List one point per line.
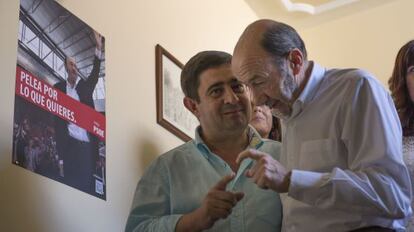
(373, 229)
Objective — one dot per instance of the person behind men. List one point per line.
(341, 164)
(77, 147)
(265, 123)
(198, 186)
(401, 85)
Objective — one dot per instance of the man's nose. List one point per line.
(230, 97)
(253, 94)
(259, 99)
(256, 98)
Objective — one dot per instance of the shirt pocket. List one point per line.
(322, 155)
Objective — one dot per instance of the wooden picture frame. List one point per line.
(171, 112)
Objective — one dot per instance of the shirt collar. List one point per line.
(310, 90)
(76, 83)
(255, 141)
(312, 86)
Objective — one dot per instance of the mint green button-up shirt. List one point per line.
(177, 182)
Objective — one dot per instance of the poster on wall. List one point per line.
(59, 112)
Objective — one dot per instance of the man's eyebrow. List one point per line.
(215, 85)
(254, 78)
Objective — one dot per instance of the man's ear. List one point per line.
(295, 61)
(191, 105)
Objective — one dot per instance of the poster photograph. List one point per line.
(171, 112)
(59, 111)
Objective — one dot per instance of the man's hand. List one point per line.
(217, 204)
(266, 172)
(98, 40)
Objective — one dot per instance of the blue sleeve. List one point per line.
(151, 204)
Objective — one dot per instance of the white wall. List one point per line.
(369, 39)
(30, 202)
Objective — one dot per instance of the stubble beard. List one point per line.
(287, 87)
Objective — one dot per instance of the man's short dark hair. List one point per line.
(190, 76)
(279, 39)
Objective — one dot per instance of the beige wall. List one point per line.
(369, 39)
(30, 202)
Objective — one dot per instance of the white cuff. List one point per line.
(302, 181)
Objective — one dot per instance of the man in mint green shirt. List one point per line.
(198, 186)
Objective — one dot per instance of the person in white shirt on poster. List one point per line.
(77, 148)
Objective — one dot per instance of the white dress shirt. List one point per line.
(75, 131)
(343, 145)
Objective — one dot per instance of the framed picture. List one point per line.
(171, 112)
